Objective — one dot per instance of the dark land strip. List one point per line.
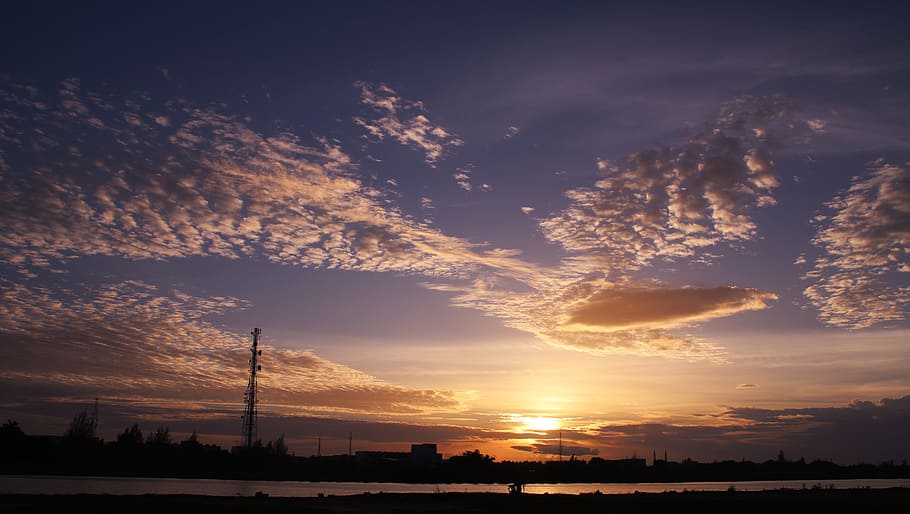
(764, 502)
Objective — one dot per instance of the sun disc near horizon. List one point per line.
(539, 423)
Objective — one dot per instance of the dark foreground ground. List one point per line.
(766, 502)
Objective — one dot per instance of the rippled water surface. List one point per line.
(128, 485)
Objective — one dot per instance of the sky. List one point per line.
(485, 225)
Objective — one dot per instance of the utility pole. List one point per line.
(249, 435)
(560, 446)
(350, 443)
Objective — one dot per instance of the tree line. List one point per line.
(155, 454)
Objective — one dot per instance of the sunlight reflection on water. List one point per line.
(18, 484)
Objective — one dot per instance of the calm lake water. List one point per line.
(18, 484)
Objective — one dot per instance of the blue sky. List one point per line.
(463, 222)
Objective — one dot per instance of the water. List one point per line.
(20, 484)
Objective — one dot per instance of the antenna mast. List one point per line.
(95, 419)
(251, 401)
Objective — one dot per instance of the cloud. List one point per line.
(661, 205)
(462, 180)
(746, 386)
(544, 311)
(831, 431)
(864, 240)
(862, 431)
(206, 184)
(462, 177)
(203, 185)
(527, 209)
(673, 202)
(404, 120)
(511, 131)
(218, 424)
(154, 347)
(627, 309)
(567, 449)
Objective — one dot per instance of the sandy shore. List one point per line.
(765, 502)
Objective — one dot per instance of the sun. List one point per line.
(539, 423)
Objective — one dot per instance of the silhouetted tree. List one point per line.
(11, 431)
(130, 437)
(13, 444)
(472, 458)
(160, 438)
(192, 441)
(280, 447)
(12, 437)
(277, 447)
(82, 428)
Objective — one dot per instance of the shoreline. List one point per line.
(780, 500)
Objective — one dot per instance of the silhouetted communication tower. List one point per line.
(249, 435)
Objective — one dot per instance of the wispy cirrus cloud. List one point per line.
(405, 121)
(862, 242)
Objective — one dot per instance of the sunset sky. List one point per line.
(470, 223)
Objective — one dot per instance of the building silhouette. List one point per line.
(423, 454)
